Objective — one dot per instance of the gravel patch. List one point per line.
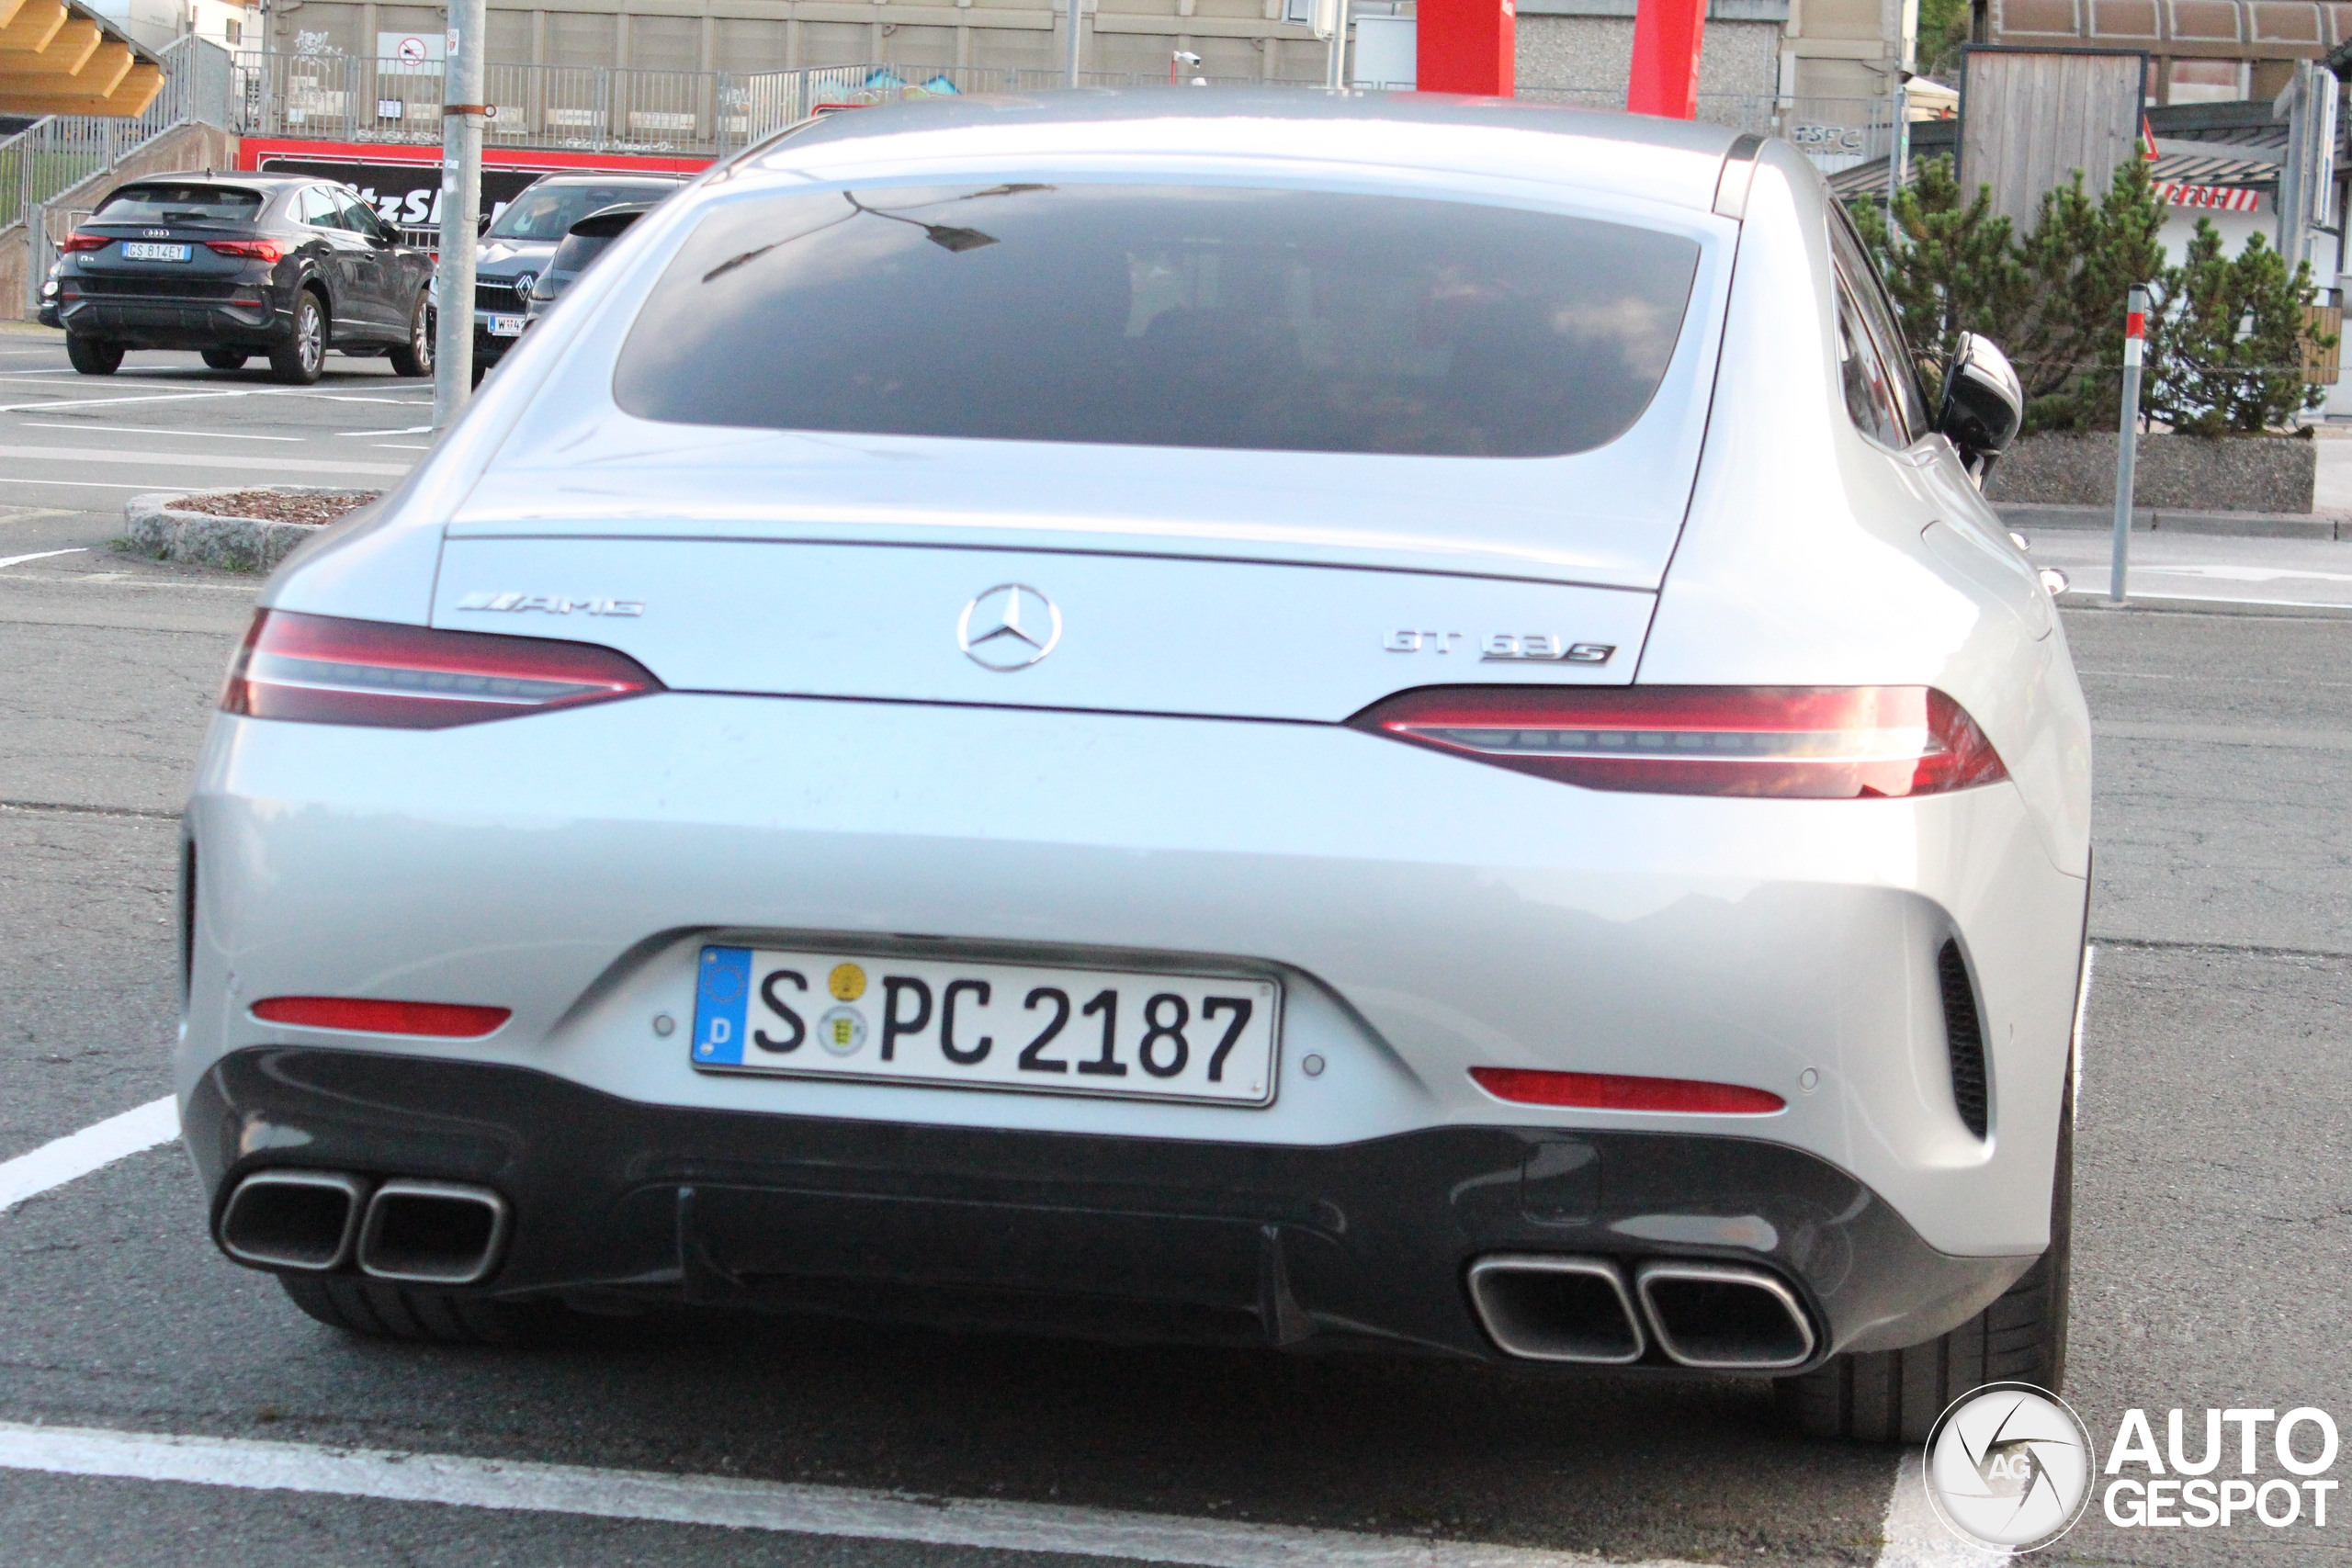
(276, 506)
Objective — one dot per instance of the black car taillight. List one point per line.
(86, 243)
(251, 250)
(326, 670)
(1789, 742)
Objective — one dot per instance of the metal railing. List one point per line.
(55, 154)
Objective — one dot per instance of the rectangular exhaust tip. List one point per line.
(1724, 1317)
(1543, 1308)
(432, 1233)
(301, 1220)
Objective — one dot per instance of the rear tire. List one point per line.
(226, 359)
(93, 357)
(299, 363)
(415, 356)
(380, 1310)
(1891, 1397)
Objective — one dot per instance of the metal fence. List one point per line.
(57, 152)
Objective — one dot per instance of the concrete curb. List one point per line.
(2031, 516)
(240, 544)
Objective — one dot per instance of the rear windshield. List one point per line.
(545, 212)
(178, 204)
(576, 252)
(1163, 316)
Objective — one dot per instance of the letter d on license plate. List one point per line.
(1207, 1039)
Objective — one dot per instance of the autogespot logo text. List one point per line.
(2009, 1466)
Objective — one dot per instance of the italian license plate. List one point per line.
(1203, 1038)
(507, 326)
(141, 250)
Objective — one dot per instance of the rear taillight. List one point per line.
(86, 243)
(1620, 1091)
(325, 669)
(1791, 742)
(447, 1020)
(251, 250)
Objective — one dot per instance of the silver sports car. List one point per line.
(1318, 720)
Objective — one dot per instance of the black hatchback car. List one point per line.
(237, 266)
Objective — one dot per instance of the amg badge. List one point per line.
(550, 604)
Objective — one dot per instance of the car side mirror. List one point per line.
(1982, 403)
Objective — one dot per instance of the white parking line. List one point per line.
(149, 430)
(78, 484)
(38, 555)
(201, 460)
(838, 1511)
(404, 430)
(1915, 1537)
(76, 1155)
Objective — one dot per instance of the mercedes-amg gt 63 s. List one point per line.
(234, 266)
(1323, 721)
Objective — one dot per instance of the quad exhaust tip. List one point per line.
(1708, 1316)
(432, 1233)
(302, 1220)
(314, 1222)
(1724, 1316)
(1545, 1308)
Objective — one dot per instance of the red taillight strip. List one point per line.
(326, 670)
(86, 243)
(251, 250)
(1802, 742)
(445, 1021)
(1617, 1092)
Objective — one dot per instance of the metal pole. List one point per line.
(1898, 152)
(2126, 438)
(1339, 44)
(461, 117)
(1073, 42)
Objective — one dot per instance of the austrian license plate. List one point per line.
(507, 326)
(141, 250)
(1115, 1034)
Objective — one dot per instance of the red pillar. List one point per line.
(1665, 78)
(1465, 46)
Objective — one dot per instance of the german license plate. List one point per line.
(507, 326)
(141, 250)
(1116, 1034)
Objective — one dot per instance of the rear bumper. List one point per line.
(1426, 916)
(139, 323)
(1352, 1245)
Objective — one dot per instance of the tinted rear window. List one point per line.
(178, 204)
(1163, 316)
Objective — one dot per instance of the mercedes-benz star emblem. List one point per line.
(1010, 627)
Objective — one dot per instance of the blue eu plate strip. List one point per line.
(720, 999)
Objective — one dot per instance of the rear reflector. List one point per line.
(1614, 1092)
(447, 1020)
(325, 669)
(1791, 742)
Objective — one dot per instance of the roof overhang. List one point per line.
(59, 57)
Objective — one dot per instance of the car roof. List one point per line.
(222, 177)
(1646, 156)
(611, 177)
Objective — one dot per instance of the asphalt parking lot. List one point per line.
(2213, 1194)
